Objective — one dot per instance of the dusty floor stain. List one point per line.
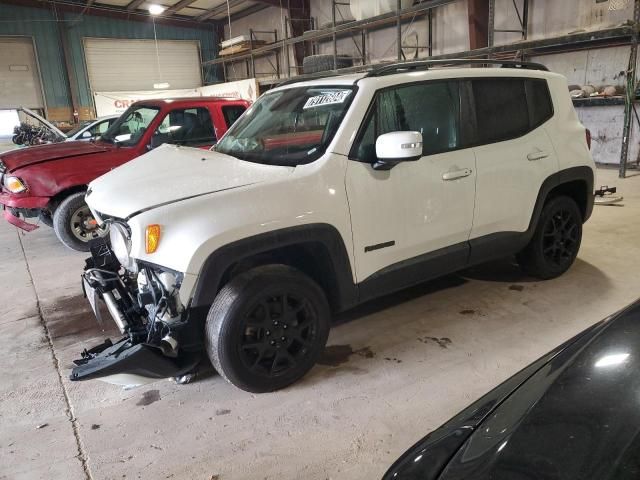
(390, 359)
(223, 411)
(516, 288)
(149, 397)
(95, 426)
(365, 352)
(335, 355)
(442, 342)
(467, 312)
(70, 318)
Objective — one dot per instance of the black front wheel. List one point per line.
(556, 240)
(267, 327)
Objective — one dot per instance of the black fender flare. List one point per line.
(571, 174)
(323, 238)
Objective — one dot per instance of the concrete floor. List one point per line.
(395, 369)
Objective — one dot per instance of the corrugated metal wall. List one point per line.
(41, 24)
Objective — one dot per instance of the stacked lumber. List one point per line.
(240, 47)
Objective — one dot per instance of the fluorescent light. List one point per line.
(161, 86)
(614, 359)
(155, 9)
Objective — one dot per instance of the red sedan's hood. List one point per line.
(22, 157)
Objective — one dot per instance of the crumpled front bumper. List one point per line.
(125, 358)
(15, 204)
(18, 222)
(28, 202)
(132, 355)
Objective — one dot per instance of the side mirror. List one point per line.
(395, 147)
(86, 134)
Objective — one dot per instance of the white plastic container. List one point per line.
(361, 9)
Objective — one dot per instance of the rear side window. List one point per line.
(432, 109)
(231, 113)
(501, 109)
(539, 99)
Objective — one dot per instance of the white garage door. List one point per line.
(116, 65)
(19, 76)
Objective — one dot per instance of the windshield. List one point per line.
(288, 127)
(128, 129)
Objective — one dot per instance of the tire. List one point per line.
(556, 240)
(70, 223)
(248, 340)
(323, 63)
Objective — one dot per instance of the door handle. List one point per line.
(452, 175)
(537, 155)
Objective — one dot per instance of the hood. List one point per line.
(23, 157)
(171, 173)
(56, 131)
(577, 417)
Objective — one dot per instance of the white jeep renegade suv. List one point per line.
(324, 194)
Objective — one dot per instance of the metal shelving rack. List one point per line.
(626, 35)
(335, 32)
(249, 58)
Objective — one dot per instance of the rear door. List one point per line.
(514, 153)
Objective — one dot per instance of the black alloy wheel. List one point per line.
(556, 240)
(560, 238)
(267, 327)
(279, 331)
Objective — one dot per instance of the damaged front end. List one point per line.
(158, 337)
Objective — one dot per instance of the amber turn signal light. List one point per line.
(152, 238)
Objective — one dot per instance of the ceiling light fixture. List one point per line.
(155, 9)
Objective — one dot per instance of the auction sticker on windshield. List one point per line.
(327, 98)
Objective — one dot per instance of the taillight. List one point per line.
(588, 134)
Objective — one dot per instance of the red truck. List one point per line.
(49, 181)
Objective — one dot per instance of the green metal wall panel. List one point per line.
(42, 25)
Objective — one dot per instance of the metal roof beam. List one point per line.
(219, 10)
(178, 6)
(134, 4)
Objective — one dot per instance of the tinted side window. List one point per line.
(232, 113)
(192, 127)
(432, 109)
(539, 99)
(501, 109)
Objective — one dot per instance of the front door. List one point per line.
(419, 210)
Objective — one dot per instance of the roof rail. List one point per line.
(426, 64)
(308, 77)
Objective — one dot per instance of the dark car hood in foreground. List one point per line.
(573, 414)
(23, 157)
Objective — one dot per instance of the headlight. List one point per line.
(14, 184)
(121, 245)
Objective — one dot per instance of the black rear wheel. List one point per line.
(266, 328)
(556, 240)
